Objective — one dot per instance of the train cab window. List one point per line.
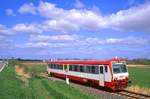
(119, 68)
(123, 68)
(101, 69)
(106, 68)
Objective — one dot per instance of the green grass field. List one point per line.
(11, 87)
(140, 76)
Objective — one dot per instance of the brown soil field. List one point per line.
(139, 65)
(34, 63)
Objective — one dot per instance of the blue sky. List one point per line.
(93, 29)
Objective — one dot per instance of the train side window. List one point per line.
(61, 66)
(96, 70)
(101, 69)
(55, 66)
(52, 66)
(87, 69)
(81, 69)
(49, 66)
(93, 69)
(58, 66)
(75, 68)
(70, 68)
(106, 68)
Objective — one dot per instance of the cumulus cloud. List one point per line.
(133, 19)
(77, 18)
(4, 30)
(79, 4)
(76, 41)
(27, 28)
(41, 45)
(58, 19)
(133, 41)
(10, 12)
(54, 38)
(65, 21)
(59, 25)
(27, 8)
(5, 42)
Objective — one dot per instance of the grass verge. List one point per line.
(12, 87)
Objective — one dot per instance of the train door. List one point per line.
(101, 75)
(66, 68)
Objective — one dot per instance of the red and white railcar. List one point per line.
(111, 74)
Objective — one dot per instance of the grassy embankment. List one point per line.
(17, 86)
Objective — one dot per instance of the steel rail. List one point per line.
(131, 94)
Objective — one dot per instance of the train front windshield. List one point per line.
(119, 68)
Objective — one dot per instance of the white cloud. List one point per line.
(82, 18)
(41, 45)
(27, 8)
(66, 21)
(134, 19)
(134, 41)
(54, 38)
(10, 12)
(76, 41)
(50, 10)
(27, 28)
(79, 4)
(5, 42)
(5, 30)
(60, 25)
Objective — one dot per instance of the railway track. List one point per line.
(99, 93)
(125, 94)
(133, 95)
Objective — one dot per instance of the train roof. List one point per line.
(89, 62)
